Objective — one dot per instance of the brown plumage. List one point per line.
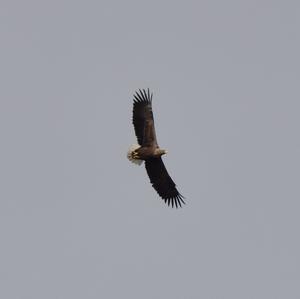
(148, 150)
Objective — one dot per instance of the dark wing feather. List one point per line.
(142, 119)
(162, 182)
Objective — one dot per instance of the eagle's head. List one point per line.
(159, 152)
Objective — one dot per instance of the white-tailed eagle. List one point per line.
(148, 150)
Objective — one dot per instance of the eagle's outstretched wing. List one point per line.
(162, 182)
(142, 119)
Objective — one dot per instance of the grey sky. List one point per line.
(77, 220)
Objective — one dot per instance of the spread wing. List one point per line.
(142, 119)
(162, 182)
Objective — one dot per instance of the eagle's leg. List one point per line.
(135, 155)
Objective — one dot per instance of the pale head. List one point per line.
(159, 152)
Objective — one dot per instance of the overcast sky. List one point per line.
(78, 220)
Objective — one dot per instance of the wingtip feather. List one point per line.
(142, 95)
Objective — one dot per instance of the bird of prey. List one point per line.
(147, 150)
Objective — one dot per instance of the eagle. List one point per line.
(147, 150)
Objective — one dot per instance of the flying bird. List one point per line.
(147, 150)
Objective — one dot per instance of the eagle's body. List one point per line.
(148, 150)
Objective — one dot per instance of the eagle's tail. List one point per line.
(130, 154)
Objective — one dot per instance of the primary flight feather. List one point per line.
(148, 150)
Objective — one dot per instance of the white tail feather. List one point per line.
(132, 148)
